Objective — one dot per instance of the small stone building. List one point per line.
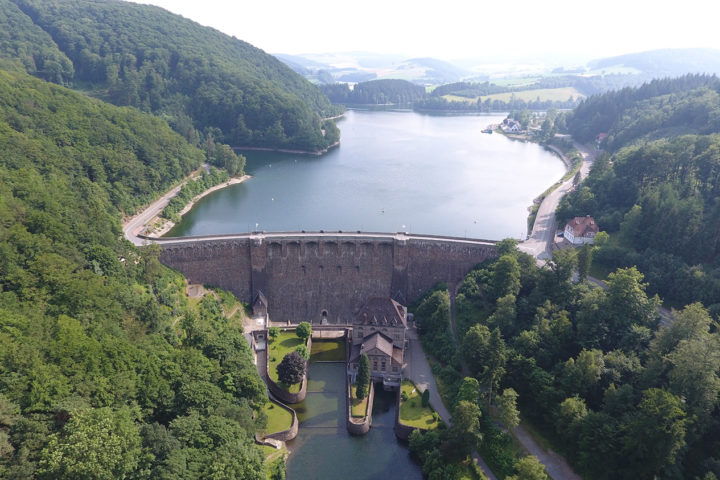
(260, 310)
(581, 230)
(379, 332)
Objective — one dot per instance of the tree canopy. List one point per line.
(106, 369)
(198, 78)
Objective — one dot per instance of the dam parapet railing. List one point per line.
(259, 235)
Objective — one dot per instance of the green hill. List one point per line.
(656, 190)
(149, 58)
(106, 370)
(664, 62)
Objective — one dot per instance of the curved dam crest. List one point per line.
(317, 276)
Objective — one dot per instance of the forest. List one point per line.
(618, 392)
(106, 369)
(655, 189)
(402, 92)
(200, 80)
(376, 92)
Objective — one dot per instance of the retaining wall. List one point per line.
(402, 431)
(279, 392)
(362, 426)
(290, 433)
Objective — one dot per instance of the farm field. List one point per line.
(553, 94)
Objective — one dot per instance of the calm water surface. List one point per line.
(324, 449)
(394, 171)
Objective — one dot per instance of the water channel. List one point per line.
(323, 447)
(394, 171)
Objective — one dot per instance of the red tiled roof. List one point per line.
(583, 226)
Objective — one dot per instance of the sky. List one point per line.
(456, 29)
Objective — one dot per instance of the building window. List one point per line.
(383, 366)
(375, 365)
(395, 368)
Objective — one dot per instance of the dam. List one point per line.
(323, 277)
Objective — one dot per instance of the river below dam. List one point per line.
(394, 171)
(323, 447)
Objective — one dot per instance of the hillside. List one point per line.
(656, 190)
(106, 370)
(668, 62)
(197, 77)
(362, 67)
(687, 103)
(375, 92)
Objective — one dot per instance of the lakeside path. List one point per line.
(539, 245)
(543, 232)
(133, 226)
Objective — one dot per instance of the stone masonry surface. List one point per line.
(308, 277)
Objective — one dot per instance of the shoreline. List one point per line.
(316, 153)
(157, 226)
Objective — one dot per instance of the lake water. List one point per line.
(394, 171)
(323, 447)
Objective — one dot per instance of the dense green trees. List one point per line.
(433, 314)
(94, 443)
(304, 331)
(619, 394)
(196, 77)
(375, 92)
(688, 102)
(291, 369)
(106, 369)
(363, 377)
(656, 195)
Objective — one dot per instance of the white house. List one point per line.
(581, 230)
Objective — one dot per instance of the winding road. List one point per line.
(543, 233)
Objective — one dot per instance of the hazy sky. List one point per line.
(450, 29)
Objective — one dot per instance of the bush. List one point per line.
(273, 332)
(426, 398)
(303, 330)
(363, 377)
(292, 368)
(303, 351)
(404, 396)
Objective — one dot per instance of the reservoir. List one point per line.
(394, 171)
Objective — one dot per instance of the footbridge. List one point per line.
(323, 277)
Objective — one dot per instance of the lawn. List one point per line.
(358, 407)
(272, 455)
(412, 413)
(552, 94)
(279, 419)
(328, 351)
(280, 346)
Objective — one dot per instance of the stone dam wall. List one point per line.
(309, 277)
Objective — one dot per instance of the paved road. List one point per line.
(555, 465)
(328, 234)
(133, 226)
(539, 245)
(418, 370)
(666, 316)
(543, 233)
